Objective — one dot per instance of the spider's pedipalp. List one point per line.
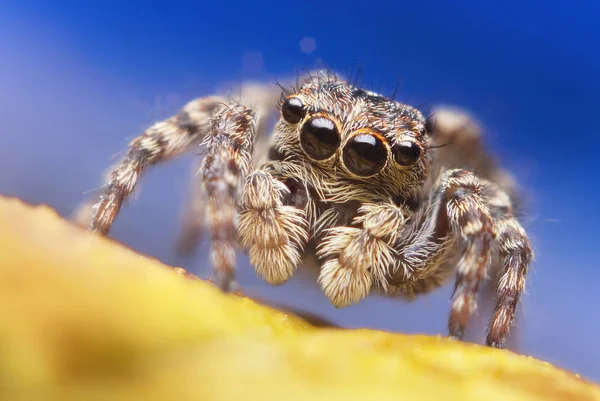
(229, 145)
(357, 258)
(162, 141)
(274, 234)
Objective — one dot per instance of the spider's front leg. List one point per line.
(515, 255)
(162, 141)
(355, 258)
(273, 231)
(229, 144)
(472, 231)
(473, 219)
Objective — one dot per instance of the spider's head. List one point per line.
(358, 135)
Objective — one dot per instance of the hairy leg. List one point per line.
(456, 220)
(473, 227)
(462, 140)
(162, 141)
(515, 255)
(229, 145)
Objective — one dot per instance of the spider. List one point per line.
(349, 177)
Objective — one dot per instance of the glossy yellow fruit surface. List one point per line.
(84, 318)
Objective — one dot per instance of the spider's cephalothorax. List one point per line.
(352, 177)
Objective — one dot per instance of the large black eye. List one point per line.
(365, 154)
(406, 153)
(293, 110)
(319, 138)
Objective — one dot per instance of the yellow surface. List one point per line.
(84, 318)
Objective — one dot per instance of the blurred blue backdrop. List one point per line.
(79, 79)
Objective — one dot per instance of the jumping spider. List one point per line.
(350, 176)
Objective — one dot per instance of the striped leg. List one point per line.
(476, 218)
(229, 145)
(162, 141)
(474, 233)
(515, 254)
(456, 218)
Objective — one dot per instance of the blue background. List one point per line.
(79, 79)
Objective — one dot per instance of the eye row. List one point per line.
(364, 154)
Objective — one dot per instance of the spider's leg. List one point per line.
(229, 144)
(262, 98)
(515, 255)
(274, 233)
(162, 141)
(359, 257)
(473, 229)
(456, 220)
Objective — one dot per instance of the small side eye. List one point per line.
(319, 138)
(365, 155)
(292, 110)
(406, 153)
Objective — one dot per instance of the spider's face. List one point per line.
(361, 136)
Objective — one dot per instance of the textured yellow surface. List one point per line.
(84, 318)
